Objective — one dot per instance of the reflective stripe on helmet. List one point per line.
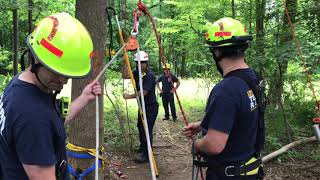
(51, 48)
(222, 34)
(54, 28)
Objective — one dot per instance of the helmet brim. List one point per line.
(234, 40)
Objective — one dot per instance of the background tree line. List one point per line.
(181, 25)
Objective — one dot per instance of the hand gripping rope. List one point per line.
(142, 9)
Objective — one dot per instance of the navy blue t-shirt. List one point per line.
(232, 109)
(166, 82)
(148, 84)
(31, 132)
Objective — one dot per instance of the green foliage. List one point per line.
(181, 25)
(115, 111)
(4, 60)
(3, 82)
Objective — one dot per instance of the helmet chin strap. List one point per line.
(34, 69)
(217, 60)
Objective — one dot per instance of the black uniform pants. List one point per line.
(168, 98)
(151, 113)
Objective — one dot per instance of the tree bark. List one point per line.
(161, 40)
(276, 86)
(30, 4)
(82, 132)
(260, 15)
(233, 11)
(15, 40)
(183, 64)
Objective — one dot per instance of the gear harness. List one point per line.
(252, 166)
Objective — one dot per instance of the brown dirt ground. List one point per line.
(174, 161)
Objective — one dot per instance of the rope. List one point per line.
(97, 108)
(142, 8)
(306, 71)
(126, 59)
(146, 129)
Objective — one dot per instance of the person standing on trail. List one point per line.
(151, 104)
(167, 92)
(233, 125)
(32, 134)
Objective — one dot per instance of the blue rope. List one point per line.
(81, 156)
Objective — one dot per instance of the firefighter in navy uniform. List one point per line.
(233, 125)
(32, 134)
(151, 104)
(167, 92)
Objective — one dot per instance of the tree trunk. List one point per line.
(233, 12)
(276, 86)
(260, 14)
(183, 64)
(15, 40)
(82, 131)
(161, 40)
(30, 4)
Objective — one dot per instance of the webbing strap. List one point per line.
(231, 170)
(81, 156)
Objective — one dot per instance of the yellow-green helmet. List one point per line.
(226, 32)
(62, 44)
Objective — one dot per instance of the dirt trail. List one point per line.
(172, 153)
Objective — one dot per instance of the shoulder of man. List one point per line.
(174, 77)
(151, 73)
(230, 87)
(160, 78)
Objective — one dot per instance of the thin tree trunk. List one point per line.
(276, 87)
(82, 132)
(183, 64)
(161, 40)
(30, 5)
(260, 14)
(233, 11)
(15, 40)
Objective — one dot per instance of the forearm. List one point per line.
(213, 142)
(35, 172)
(200, 146)
(75, 107)
(178, 84)
(158, 86)
(134, 95)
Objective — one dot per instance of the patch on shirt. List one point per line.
(253, 101)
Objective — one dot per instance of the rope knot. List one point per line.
(142, 7)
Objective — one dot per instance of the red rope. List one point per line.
(143, 8)
(306, 71)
